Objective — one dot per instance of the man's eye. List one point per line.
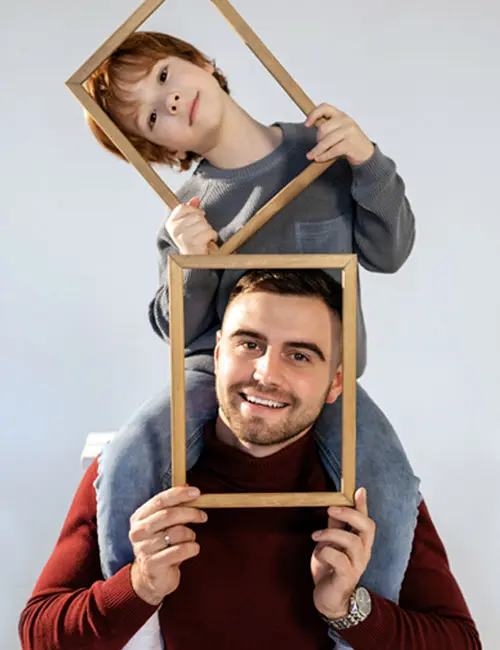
(298, 356)
(250, 345)
(163, 75)
(152, 119)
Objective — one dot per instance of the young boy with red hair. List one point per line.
(174, 105)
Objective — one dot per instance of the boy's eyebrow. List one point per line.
(305, 345)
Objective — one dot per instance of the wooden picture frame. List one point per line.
(348, 264)
(76, 84)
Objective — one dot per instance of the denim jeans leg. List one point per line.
(131, 469)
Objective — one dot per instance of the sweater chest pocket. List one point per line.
(326, 236)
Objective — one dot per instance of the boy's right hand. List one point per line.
(189, 229)
(155, 572)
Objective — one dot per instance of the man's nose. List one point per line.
(173, 101)
(268, 369)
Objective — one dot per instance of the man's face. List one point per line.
(180, 106)
(276, 365)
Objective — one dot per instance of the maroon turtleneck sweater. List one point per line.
(250, 587)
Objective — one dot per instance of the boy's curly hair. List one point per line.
(133, 60)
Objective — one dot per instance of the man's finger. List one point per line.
(166, 499)
(336, 560)
(343, 541)
(357, 518)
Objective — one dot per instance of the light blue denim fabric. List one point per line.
(137, 464)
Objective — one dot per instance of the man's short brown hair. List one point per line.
(133, 61)
(312, 283)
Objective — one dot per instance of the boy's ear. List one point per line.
(180, 155)
(335, 388)
(209, 67)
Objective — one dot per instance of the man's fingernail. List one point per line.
(317, 534)
(193, 492)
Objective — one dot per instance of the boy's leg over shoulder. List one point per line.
(133, 466)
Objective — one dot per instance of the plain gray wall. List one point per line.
(78, 258)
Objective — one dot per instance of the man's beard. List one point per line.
(257, 429)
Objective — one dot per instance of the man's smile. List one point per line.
(263, 401)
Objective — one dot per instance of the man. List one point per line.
(253, 578)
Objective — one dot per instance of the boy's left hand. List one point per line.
(338, 136)
(341, 557)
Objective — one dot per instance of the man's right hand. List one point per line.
(155, 572)
(189, 229)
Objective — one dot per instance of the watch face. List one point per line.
(363, 601)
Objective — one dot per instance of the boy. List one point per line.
(175, 107)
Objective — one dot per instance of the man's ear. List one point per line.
(218, 337)
(335, 388)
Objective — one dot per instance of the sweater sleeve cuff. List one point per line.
(121, 603)
(368, 177)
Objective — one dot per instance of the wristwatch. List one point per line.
(360, 606)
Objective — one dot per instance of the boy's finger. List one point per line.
(322, 111)
(194, 202)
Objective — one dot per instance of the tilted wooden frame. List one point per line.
(348, 264)
(76, 83)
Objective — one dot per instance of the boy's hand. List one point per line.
(340, 557)
(338, 136)
(161, 541)
(189, 229)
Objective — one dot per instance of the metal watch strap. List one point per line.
(352, 618)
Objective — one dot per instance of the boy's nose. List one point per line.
(173, 101)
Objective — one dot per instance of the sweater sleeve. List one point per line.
(384, 224)
(432, 613)
(72, 607)
(200, 286)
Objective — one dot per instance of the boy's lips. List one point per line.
(193, 108)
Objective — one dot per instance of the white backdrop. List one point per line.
(78, 259)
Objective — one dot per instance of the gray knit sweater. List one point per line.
(348, 209)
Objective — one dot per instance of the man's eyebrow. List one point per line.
(250, 333)
(304, 345)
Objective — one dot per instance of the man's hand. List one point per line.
(155, 572)
(338, 136)
(189, 229)
(340, 557)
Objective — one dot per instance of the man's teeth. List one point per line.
(264, 402)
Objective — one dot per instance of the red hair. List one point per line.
(133, 59)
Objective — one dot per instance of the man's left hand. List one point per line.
(340, 557)
(338, 136)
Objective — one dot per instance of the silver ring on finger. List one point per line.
(166, 539)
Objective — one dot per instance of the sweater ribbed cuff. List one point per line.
(122, 604)
(368, 177)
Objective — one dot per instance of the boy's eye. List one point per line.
(152, 119)
(163, 75)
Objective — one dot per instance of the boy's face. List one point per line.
(180, 106)
(276, 362)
